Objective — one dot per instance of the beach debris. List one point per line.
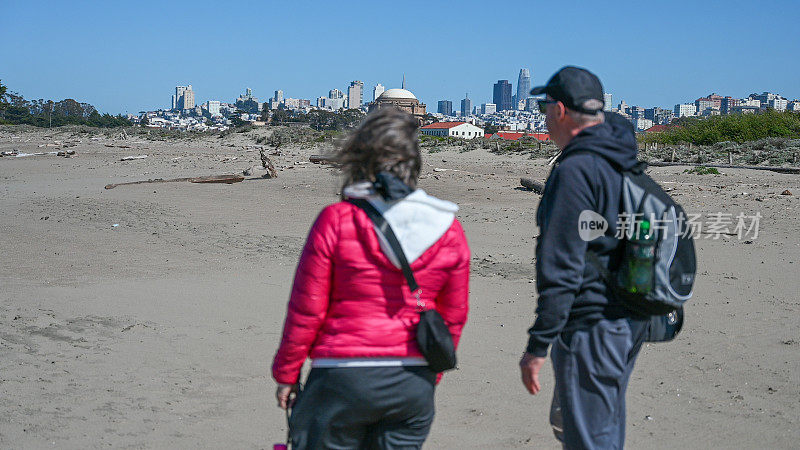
(115, 225)
(131, 158)
(786, 192)
(226, 178)
(23, 155)
(439, 169)
(322, 159)
(267, 164)
(532, 185)
(9, 153)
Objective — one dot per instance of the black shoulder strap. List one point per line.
(638, 168)
(383, 226)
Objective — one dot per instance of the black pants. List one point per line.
(364, 407)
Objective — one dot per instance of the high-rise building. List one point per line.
(466, 106)
(488, 108)
(608, 101)
(355, 94)
(377, 91)
(502, 95)
(183, 98)
(445, 107)
(278, 98)
(188, 98)
(523, 85)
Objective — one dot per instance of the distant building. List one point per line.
(516, 135)
(377, 91)
(659, 116)
(531, 104)
(684, 110)
(248, 95)
(765, 98)
(276, 100)
(355, 94)
(523, 86)
(701, 104)
(466, 106)
(183, 98)
(401, 99)
(793, 105)
(488, 108)
(636, 112)
(727, 104)
(778, 104)
(750, 101)
(745, 109)
(454, 129)
(642, 124)
(212, 106)
(502, 95)
(336, 100)
(292, 103)
(445, 107)
(608, 101)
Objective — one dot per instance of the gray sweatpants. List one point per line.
(364, 408)
(592, 369)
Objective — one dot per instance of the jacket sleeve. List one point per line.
(309, 299)
(560, 251)
(452, 302)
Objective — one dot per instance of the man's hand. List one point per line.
(529, 367)
(286, 394)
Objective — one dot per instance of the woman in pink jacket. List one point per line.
(351, 311)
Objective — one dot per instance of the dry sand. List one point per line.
(159, 333)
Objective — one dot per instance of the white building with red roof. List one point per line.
(453, 129)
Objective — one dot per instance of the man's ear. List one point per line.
(561, 111)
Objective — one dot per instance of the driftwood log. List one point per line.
(791, 170)
(267, 165)
(532, 185)
(322, 159)
(227, 179)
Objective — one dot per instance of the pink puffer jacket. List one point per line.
(349, 301)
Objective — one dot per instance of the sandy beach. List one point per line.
(147, 316)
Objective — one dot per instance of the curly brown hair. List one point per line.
(386, 141)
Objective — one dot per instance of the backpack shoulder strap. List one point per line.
(638, 168)
(383, 226)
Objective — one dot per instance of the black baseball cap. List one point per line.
(577, 88)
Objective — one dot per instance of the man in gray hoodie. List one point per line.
(594, 339)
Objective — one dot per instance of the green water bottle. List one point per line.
(641, 252)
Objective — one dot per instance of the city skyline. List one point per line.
(122, 57)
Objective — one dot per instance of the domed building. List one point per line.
(401, 99)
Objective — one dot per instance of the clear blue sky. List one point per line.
(128, 56)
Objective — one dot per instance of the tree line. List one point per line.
(317, 119)
(16, 110)
(737, 128)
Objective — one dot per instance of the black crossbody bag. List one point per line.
(433, 337)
